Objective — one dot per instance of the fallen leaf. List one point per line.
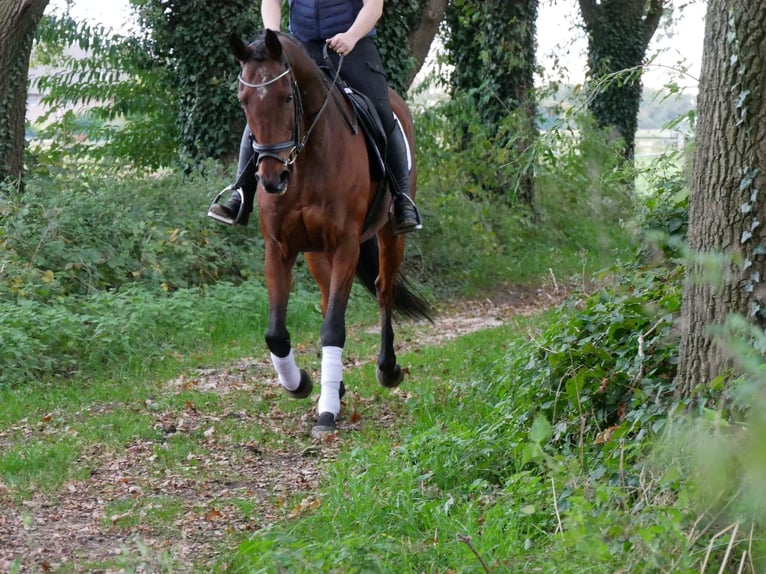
(306, 505)
(213, 514)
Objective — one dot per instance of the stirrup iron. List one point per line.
(223, 218)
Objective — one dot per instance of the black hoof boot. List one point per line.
(392, 379)
(324, 426)
(304, 387)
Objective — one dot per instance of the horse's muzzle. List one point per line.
(276, 185)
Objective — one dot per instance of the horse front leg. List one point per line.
(333, 337)
(296, 382)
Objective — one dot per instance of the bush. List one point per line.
(77, 236)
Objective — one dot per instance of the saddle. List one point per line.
(372, 129)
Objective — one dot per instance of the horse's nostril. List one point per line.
(276, 185)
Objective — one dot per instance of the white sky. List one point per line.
(558, 37)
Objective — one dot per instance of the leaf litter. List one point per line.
(139, 509)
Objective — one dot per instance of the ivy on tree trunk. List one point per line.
(618, 32)
(18, 20)
(491, 46)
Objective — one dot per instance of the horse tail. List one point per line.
(408, 303)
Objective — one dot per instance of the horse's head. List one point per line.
(271, 103)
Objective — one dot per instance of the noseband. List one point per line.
(296, 144)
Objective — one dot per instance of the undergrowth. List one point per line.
(561, 449)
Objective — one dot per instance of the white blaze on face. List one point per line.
(262, 92)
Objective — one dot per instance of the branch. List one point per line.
(467, 540)
(652, 19)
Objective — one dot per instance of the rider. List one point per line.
(348, 28)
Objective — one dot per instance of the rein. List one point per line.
(296, 144)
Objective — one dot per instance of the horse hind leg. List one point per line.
(390, 252)
(389, 373)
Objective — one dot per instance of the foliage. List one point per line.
(578, 222)
(399, 18)
(189, 39)
(67, 236)
(112, 331)
(491, 49)
(618, 35)
(107, 99)
(665, 213)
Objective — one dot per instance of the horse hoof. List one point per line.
(304, 387)
(392, 379)
(324, 426)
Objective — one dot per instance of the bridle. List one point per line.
(296, 144)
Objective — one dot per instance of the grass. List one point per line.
(413, 500)
(104, 336)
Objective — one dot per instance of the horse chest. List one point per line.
(299, 230)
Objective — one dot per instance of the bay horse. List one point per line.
(316, 195)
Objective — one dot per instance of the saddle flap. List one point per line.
(372, 128)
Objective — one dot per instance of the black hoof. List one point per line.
(392, 379)
(304, 387)
(325, 425)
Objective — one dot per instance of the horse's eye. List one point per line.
(288, 99)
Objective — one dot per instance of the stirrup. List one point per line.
(223, 218)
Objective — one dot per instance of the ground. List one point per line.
(143, 507)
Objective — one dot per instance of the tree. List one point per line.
(492, 45)
(422, 35)
(190, 39)
(727, 209)
(18, 20)
(618, 32)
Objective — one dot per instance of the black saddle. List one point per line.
(372, 128)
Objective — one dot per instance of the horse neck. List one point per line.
(312, 83)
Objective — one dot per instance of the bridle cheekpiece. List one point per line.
(297, 143)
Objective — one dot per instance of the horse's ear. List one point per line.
(273, 44)
(238, 48)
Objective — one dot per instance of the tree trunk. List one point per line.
(18, 21)
(619, 32)
(492, 48)
(727, 210)
(421, 37)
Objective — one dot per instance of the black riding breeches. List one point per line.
(363, 70)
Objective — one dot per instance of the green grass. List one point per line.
(110, 292)
(409, 501)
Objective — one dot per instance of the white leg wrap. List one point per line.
(332, 375)
(287, 370)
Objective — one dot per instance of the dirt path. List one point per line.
(114, 518)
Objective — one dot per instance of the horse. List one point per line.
(318, 196)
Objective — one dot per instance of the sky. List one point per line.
(559, 38)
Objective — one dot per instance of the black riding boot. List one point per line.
(237, 209)
(406, 217)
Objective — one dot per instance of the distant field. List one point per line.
(652, 143)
